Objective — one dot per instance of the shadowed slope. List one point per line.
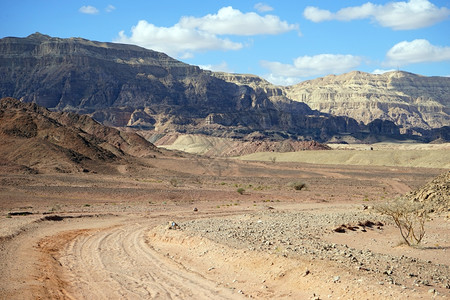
(37, 138)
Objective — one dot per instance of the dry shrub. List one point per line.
(408, 216)
(298, 185)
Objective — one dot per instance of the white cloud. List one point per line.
(381, 71)
(90, 10)
(281, 80)
(193, 34)
(317, 15)
(175, 40)
(232, 21)
(110, 8)
(396, 15)
(306, 66)
(222, 67)
(262, 7)
(417, 51)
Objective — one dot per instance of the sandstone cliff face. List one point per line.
(125, 85)
(408, 100)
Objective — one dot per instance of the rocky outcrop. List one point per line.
(125, 85)
(408, 100)
(435, 194)
(37, 138)
(128, 86)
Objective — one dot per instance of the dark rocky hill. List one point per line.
(38, 139)
(125, 85)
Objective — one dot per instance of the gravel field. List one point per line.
(299, 234)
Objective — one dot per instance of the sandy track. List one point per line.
(135, 257)
(117, 263)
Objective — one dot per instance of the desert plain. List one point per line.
(186, 226)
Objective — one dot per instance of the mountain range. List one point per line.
(128, 86)
(409, 100)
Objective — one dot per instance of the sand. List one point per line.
(100, 236)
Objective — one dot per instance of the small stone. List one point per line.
(336, 278)
(431, 291)
(195, 209)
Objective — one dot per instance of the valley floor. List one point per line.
(94, 236)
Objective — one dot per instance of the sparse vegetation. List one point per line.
(174, 182)
(241, 191)
(408, 216)
(297, 185)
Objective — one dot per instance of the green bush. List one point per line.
(241, 191)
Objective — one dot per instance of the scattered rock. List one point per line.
(340, 229)
(435, 194)
(173, 225)
(20, 213)
(296, 234)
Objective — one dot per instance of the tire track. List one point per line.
(117, 263)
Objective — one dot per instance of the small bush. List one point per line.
(298, 186)
(408, 216)
(174, 182)
(241, 191)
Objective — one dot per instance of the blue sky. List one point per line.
(283, 41)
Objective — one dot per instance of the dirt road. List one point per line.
(136, 256)
(117, 263)
(104, 257)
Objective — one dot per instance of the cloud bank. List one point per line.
(416, 51)
(192, 34)
(307, 66)
(413, 14)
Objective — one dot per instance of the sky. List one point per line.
(283, 41)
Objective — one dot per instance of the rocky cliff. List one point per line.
(125, 85)
(408, 100)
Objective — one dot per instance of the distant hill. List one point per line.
(128, 86)
(34, 138)
(408, 100)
